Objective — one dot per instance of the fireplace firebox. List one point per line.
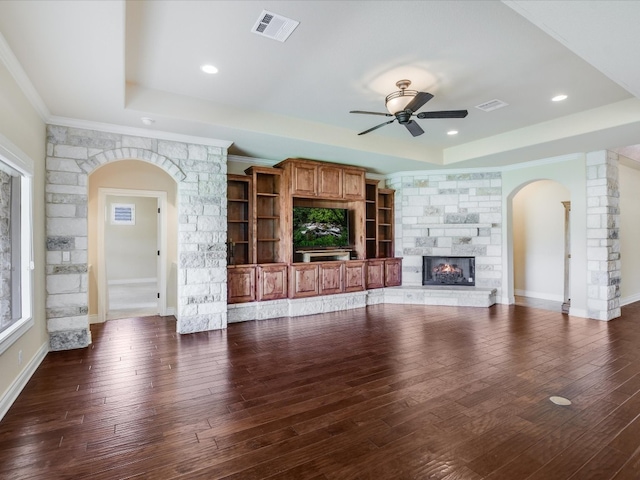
(450, 271)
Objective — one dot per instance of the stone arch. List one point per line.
(200, 173)
(142, 154)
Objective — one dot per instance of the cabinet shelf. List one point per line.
(260, 194)
(239, 200)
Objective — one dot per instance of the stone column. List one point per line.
(603, 244)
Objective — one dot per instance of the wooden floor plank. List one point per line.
(386, 392)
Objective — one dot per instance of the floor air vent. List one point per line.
(272, 25)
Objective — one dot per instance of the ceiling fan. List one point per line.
(403, 104)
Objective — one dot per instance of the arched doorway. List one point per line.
(539, 243)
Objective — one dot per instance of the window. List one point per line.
(15, 244)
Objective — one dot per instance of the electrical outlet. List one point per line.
(20, 357)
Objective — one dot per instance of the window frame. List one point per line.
(22, 164)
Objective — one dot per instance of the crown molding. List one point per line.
(251, 161)
(10, 61)
(138, 132)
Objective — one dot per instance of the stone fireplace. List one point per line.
(449, 271)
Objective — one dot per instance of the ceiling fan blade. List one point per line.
(444, 114)
(418, 101)
(414, 128)
(371, 113)
(377, 126)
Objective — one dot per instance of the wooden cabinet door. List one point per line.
(303, 280)
(330, 278)
(354, 182)
(392, 272)
(375, 273)
(354, 276)
(241, 284)
(272, 282)
(329, 182)
(303, 179)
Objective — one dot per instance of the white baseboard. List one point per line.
(630, 299)
(94, 319)
(11, 395)
(170, 311)
(541, 296)
(130, 281)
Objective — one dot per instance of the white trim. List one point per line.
(161, 197)
(507, 168)
(22, 79)
(252, 161)
(13, 333)
(578, 312)
(171, 311)
(12, 393)
(18, 159)
(93, 318)
(542, 296)
(138, 132)
(630, 299)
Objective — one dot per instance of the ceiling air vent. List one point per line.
(272, 25)
(491, 105)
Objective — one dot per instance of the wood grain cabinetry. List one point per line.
(354, 276)
(266, 214)
(241, 284)
(330, 182)
(384, 223)
(238, 220)
(303, 280)
(392, 272)
(330, 278)
(272, 281)
(260, 253)
(321, 180)
(375, 273)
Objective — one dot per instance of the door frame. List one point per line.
(103, 214)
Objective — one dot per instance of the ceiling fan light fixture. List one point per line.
(398, 101)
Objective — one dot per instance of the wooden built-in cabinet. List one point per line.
(272, 281)
(239, 213)
(241, 283)
(260, 247)
(310, 178)
(267, 232)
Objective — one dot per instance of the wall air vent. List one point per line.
(491, 105)
(272, 25)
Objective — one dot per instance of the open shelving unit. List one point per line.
(238, 219)
(385, 223)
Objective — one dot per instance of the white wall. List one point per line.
(22, 128)
(629, 231)
(131, 250)
(538, 240)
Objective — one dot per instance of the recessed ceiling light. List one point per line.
(210, 69)
(452, 132)
(559, 98)
(147, 120)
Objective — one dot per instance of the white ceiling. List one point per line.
(112, 62)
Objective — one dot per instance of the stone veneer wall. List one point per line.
(603, 244)
(449, 214)
(5, 250)
(199, 170)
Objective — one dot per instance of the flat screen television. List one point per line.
(320, 227)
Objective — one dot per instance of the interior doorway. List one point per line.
(539, 245)
(131, 253)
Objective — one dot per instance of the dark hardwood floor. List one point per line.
(388, 392)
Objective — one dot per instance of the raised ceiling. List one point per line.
(113, 62)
